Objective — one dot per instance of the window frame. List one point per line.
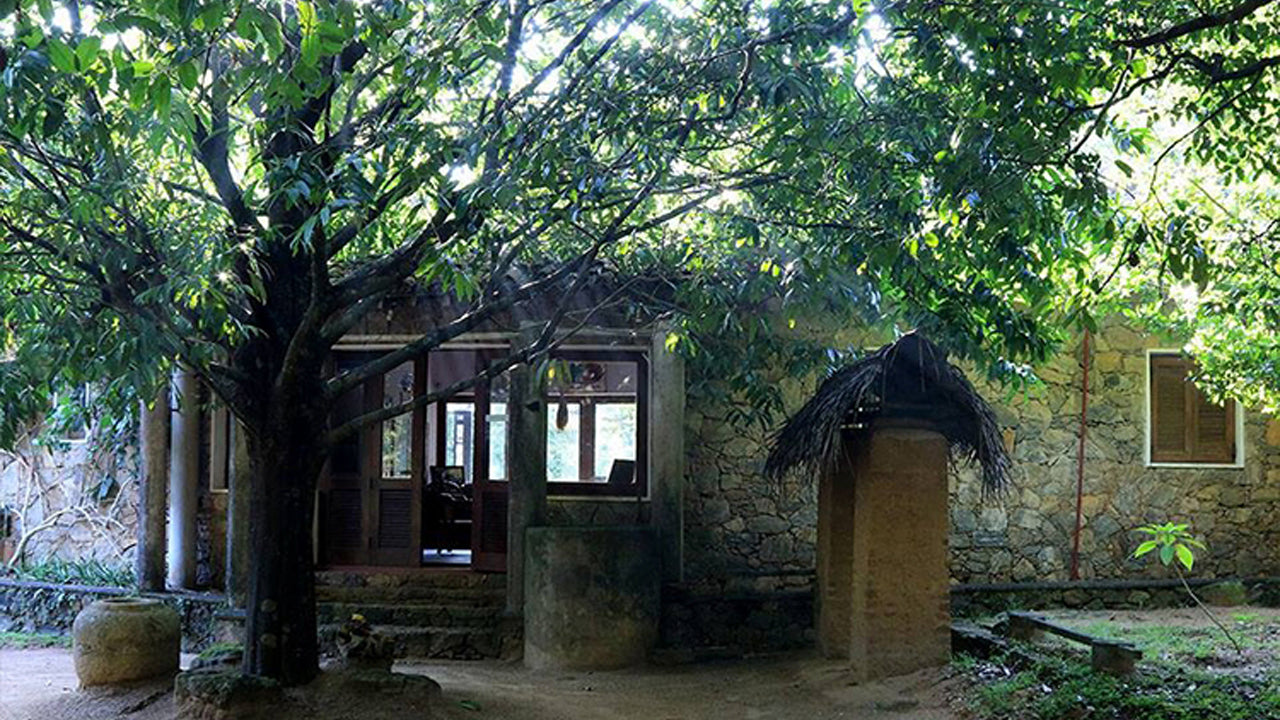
(1148, 421)
(584, 490)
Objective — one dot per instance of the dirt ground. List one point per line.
(1190, 617)
(1185, 637)
(40, 685)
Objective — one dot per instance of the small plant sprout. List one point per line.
(1174, 543)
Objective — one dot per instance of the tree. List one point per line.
(1181, 100)
(233, 185)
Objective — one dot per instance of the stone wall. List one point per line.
(35, 607)
(1027, 534)
(55, 490)
(746, 537)
(742, 532)
(749, 544)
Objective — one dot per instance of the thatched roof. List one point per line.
(909, 378)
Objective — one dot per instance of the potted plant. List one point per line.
(360, 647)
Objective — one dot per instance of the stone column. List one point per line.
(153, 488)
(666, 454)
(900, 613)
(526, 469)
(184, 469)
(238, 494)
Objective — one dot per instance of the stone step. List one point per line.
(413, 614)
(420, 594)
(411, 577)
(454, 643)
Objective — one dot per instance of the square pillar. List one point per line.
(238, 491)
(835, 559)
(666, 454)
(526, 468)
(900, 588)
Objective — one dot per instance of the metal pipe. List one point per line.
(1084, 424)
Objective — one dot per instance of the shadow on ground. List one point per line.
(40, 685)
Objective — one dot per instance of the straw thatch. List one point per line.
(910, 378)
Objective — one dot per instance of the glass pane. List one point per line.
(397, 433)
(459, 430)
(497, 441)
(563, 424)
(615, 436)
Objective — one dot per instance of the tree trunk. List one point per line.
(285, 459)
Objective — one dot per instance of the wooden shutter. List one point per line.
(1185, 426)
(1215, 426)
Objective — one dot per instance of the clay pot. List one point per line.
(120, 640)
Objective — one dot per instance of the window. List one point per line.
(397, 432)
(459, 427)
(1185, 427)
(462, 423)
(498, 438)
(597, 408)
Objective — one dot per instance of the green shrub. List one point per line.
(1051, 688)
(77, 572)
(23, 641)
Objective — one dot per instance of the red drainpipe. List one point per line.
(1084, 420)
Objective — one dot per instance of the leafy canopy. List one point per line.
(228, 183)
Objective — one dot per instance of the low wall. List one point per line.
(991, 598)
(745, 621)
(592, 596)
(737, 623)
(27, 606)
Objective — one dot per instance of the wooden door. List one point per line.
(489, 495)
(371, 490)
(396, 475)
(343, 485)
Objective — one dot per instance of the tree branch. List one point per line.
(1196, 24)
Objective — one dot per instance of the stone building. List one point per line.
(627, 443)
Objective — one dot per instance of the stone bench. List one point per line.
(1109, 656)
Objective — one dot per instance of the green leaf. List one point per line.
(309, 22)
(33, 37)
(161, 93)
(1145, 548)
(87, 51)
(1185, 556)
(1166, 554)
(61, 56)
(188, 74)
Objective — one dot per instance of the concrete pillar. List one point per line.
(153, 489)
(238, 494)
(184, 470)
(900, 615)
(666, 454)
(593, 597)
(526, 470)
(835, 559)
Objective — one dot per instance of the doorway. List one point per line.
(425, 488)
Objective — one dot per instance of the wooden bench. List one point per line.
(1109, 656)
